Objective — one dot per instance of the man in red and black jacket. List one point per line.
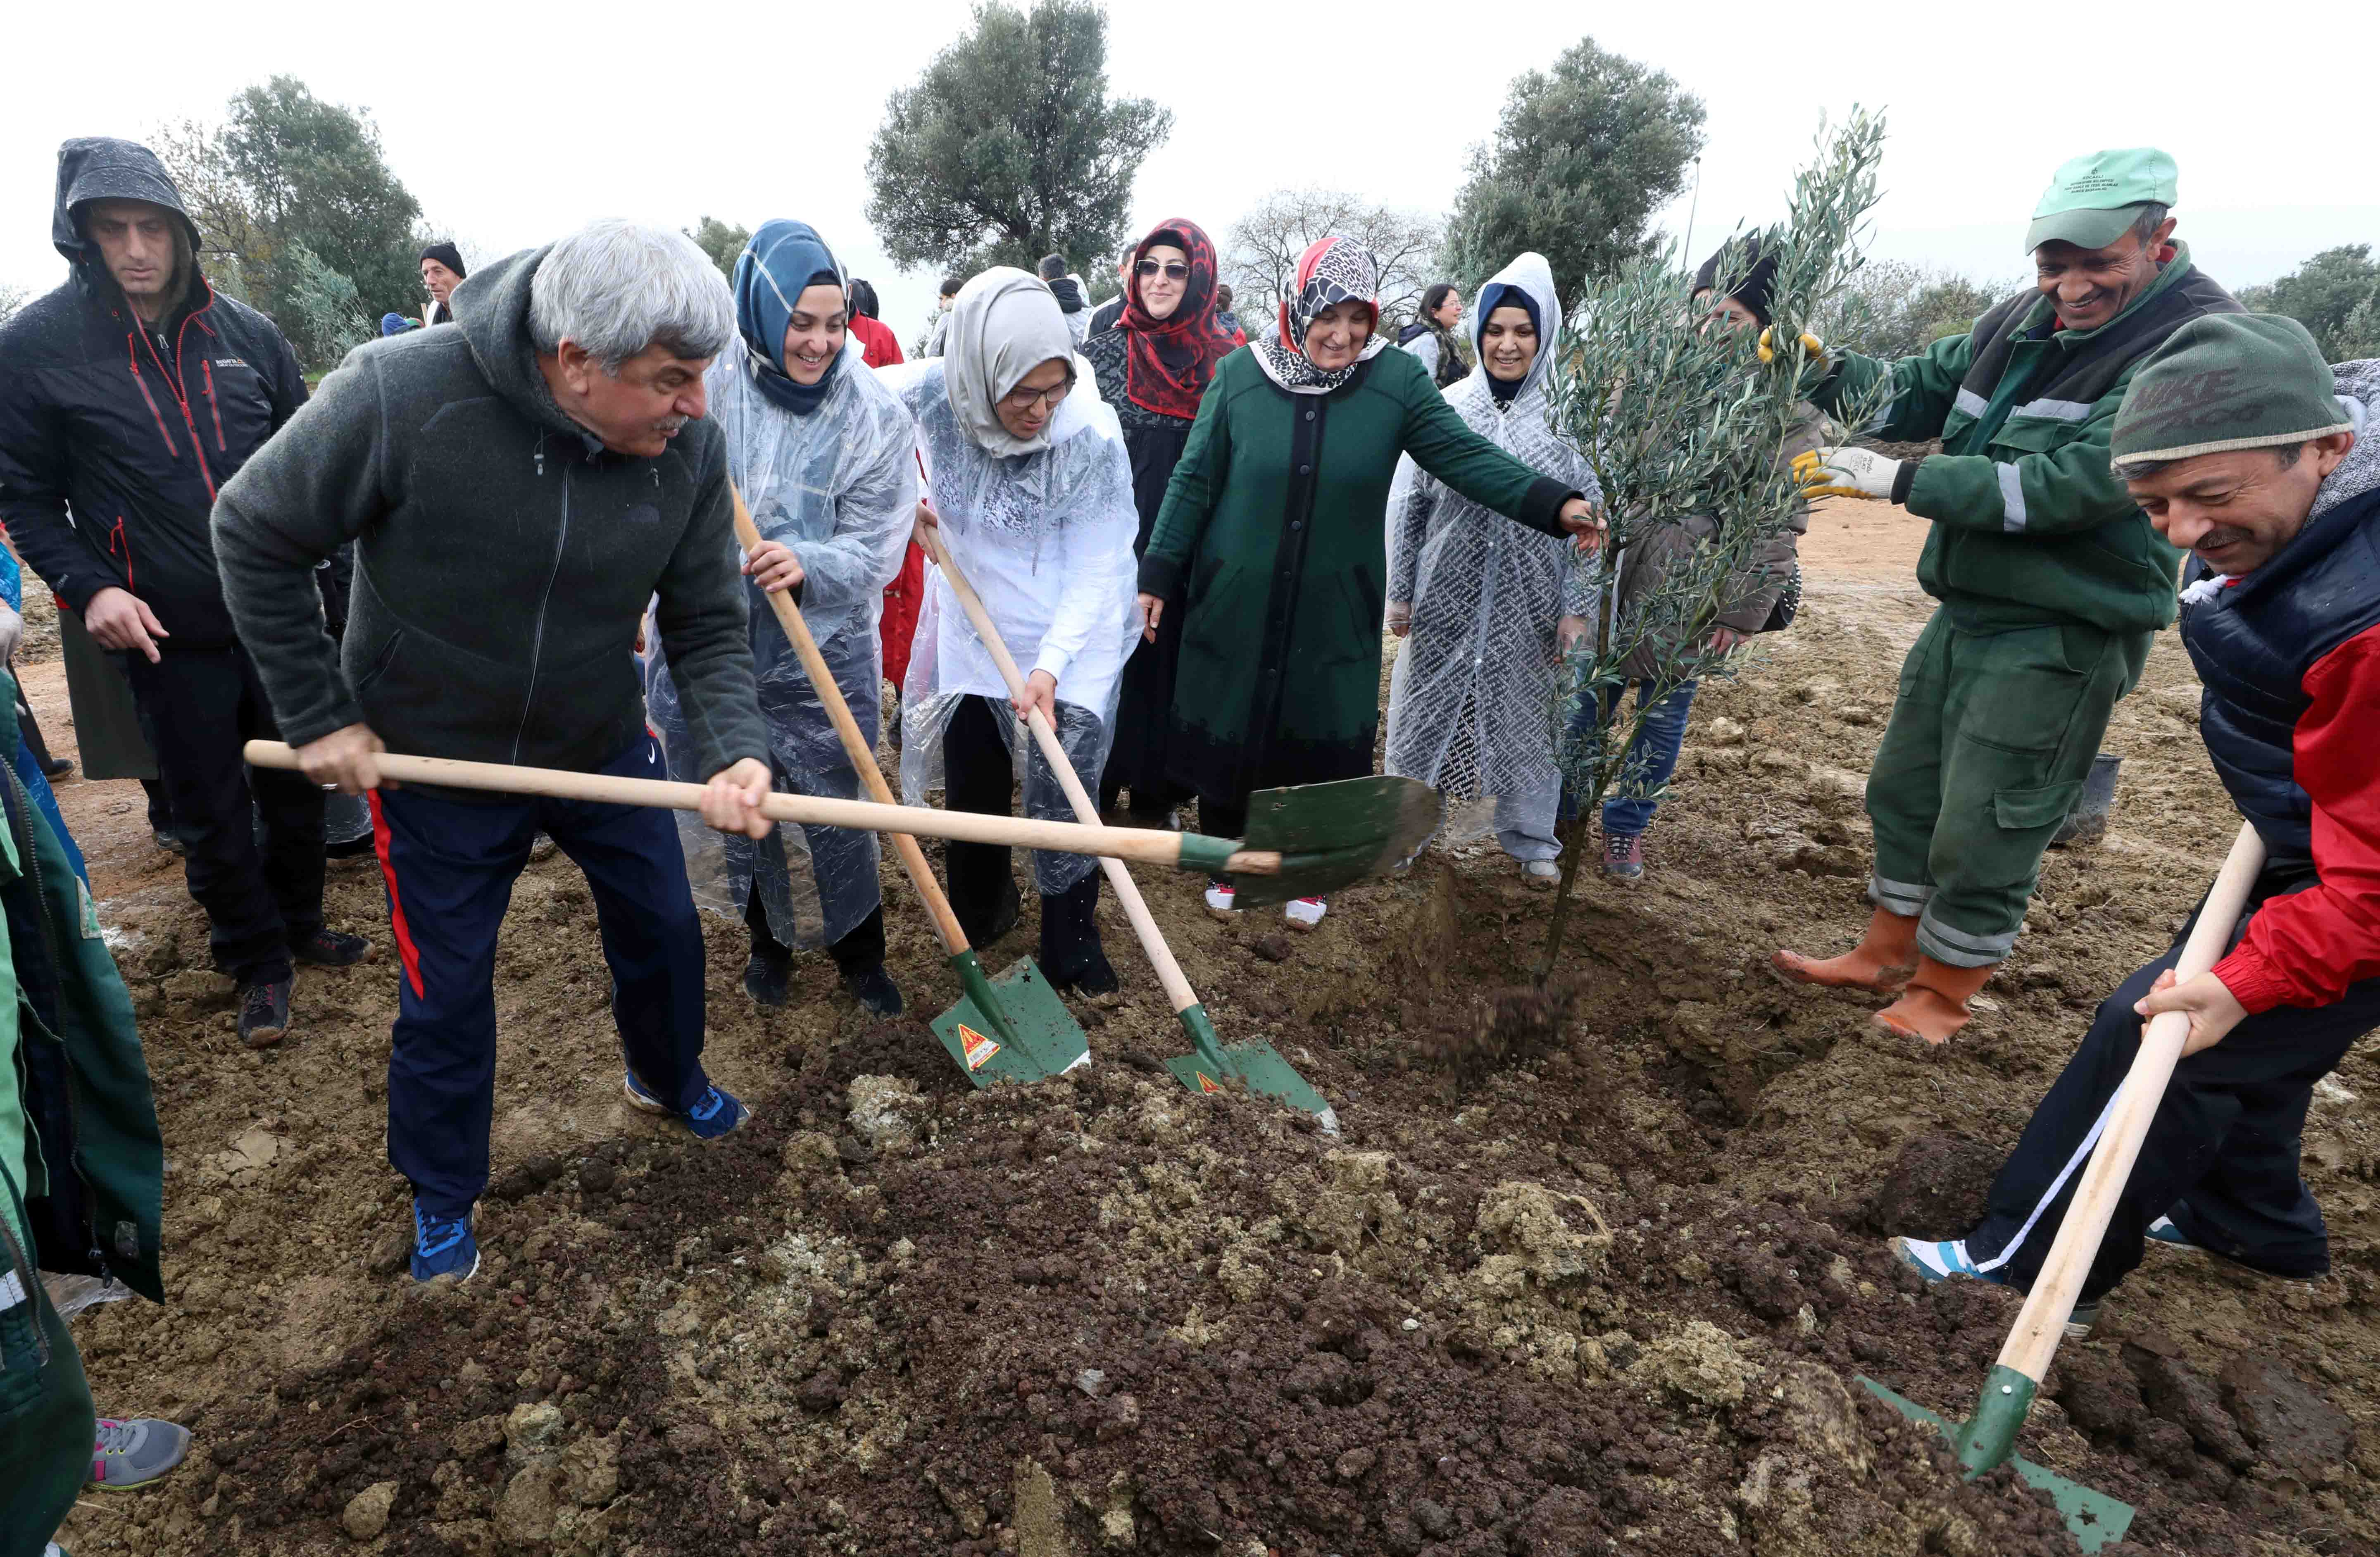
(2244, 447)
(128, 397)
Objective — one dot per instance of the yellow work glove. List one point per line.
(1814, 347)
(1846, 472)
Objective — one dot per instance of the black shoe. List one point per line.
(57, 768)
(766, 980)
(1004, 918)
(354, 848)
(874, 989)
(263, 1012)
(170, 842)
(1090, 973)
(332, 948)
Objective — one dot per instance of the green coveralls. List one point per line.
(2052, 583)
(47, 1424)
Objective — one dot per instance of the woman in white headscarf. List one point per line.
(1027, 476)
(1479, 599)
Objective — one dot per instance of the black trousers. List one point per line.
(2221, 1157)
(201, 705)
(979, 775)
(861, 948)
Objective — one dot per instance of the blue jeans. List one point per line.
(1652, 755)
(449, 867)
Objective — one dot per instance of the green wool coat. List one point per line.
(1272, 542)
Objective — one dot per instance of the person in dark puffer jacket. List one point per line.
(2243, 446)
(129, 395)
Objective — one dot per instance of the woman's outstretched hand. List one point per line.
(1584, 520)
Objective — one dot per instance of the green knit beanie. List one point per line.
(2226, 381)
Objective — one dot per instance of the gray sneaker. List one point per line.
(130, 1454)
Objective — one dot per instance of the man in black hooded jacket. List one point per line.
(128, 397)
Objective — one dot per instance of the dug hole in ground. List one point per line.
(1580, 1276)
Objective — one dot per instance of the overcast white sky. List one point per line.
(520, 122)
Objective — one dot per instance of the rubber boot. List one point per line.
(1934, 1005)
(1880, 963)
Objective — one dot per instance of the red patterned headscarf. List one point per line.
(1170, 362)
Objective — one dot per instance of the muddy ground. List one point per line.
(1606, 1294)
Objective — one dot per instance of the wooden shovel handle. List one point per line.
(1152, 941)
(968, 827)
(2041, 1323)
(854, 742)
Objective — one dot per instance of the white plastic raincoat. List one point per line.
(1046, 539)
(839, 487)
(1471, 700)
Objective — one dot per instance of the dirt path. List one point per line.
(1602, 1295)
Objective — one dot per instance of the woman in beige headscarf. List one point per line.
(1028, 479)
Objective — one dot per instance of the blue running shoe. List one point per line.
(1940, 1261)
(442, 1246)
(2163, 1231)
(719, 1114)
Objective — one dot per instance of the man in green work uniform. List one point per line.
(2051, 579)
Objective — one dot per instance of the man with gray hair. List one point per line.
(515, 488)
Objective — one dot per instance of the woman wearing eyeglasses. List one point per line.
(1027, 475)
(1152, 369)
(1272, 544)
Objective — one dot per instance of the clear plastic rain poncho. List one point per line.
(838, 487)
(1471, 697)
(1046, 539)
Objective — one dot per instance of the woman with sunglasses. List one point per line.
(1027, 475)
(1271, 545)
(1153, 368)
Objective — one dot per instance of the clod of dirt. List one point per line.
(2284, 1416)
(882, 1109)
(1272, 948)
(1937, 1188)
(1700, 1363)
(366, 1514)
(2179, 1393)
(596, 1176)
(2100, 1394)
(1531, 1225)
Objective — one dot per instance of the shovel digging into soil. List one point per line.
(1378, 820)
(2094, 1519)
(1011, 1028)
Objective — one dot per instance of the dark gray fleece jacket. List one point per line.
(502, 557)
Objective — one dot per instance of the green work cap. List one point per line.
(2223, 382)
(2089, 202)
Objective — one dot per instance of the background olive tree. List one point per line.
(723, 242)
(1581, 158)
(2335, 295)
(1009, 146)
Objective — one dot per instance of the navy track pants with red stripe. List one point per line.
(449, 867)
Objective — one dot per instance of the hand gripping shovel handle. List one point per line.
(2007, 1391)
(1168, 972)
(1182, 850)
(855, 743)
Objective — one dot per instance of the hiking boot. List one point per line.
(264, 1013)
(1222, 897)
(170, 841)
(874, 989)
(127, 1454)
(1934, 1006)
(332, 948)
(1881, 964)
(1304, 912)
(1624, 856)
(718, 1113)
(444, 1246)
(1540, 875)
(1940, 1261)
(768, 980)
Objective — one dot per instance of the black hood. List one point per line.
(102, 167)
(1068, 295)
(492, 310)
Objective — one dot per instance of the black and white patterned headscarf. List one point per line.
(1333, 269)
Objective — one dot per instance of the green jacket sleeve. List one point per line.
(314, 487)
(1190, 495)
(1914, 402)
(2056, 491)
(1444, 446)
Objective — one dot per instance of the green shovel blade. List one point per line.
(1010, 1028)
(1330, 835)
(2094, 1519)
(1259, 1064)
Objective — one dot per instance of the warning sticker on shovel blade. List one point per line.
(978, 1049)
(1206, 1082)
